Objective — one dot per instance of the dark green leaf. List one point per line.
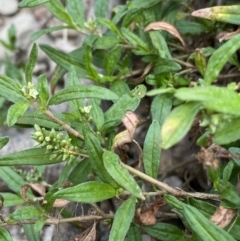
(32, 118)
(76, 9)
(220, 99)
(41, 32)
(101, 8)
(122, 220)
(27, 212)
(228, 132)
(120, 174)
(31, 63)
(88, 192)
(11, 199)
(134, 233)
(58, 10)
(80, 172)
(152, 150)
(166, 65)
(34, 156)
(64, 60)
(161, 107)
(106, 42)
(235, 230)
(111, 59)
(120, 87)
(203, 227)
(95, 153)
(227, 171)
(3, 141)
(16, 111)
(4, 235)
(31, 233)
(43, 92)
(79, 91)
(220, 58)
(31, 3)
(178, 123)
(96, 114)
(164, 232)
(235, 150)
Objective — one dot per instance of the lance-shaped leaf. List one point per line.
(152, 150)
(109, 24)
(5, 235)
(78, 91)
(96, 114)
(203, 227)
(101, 8)
(31, 233)
(164, 232)
(34, 156)
(3, 141)
(43, 91)
(31, 63)
(95, 153)
(220, 58)
(120, 174)
(28, 212)
(134, 233)
(76, 10)
(214, 98)
(227, 14)
(106, 42)
(122, 220)
(178, 124)
(88, 192)
(16, 111)
(31, 3)
(11, 199)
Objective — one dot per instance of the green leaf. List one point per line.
(111, 59)
(31, 233)
(27, 212)
(9, 90)
(33, 156)
(214, 98)
(164, 232)
(57, 9)
(73, 80)
(220, 58)
(134, 233)
(134, 40)
(95, 153)
(109, 24)
(5, 235)
(88, 192)
(160, 44)
(76, 9)
(120, 174)
(64, 60)
(139, 4)
(166, 65)
(80, 172)
(173, 202)
(203, 227)
(122, 220)
(105, 42)
(235, 150)
(228, 132)
(161, 107)
(16, 111)
(31, 118)
(79, 91)
(39, 224)
(152, 150)
(227, 171)
(11, 199)
(31, 63)
(3, 141)
(96, 114)
(31, 3)
(43, 92)
(235, 230)
(120, 87)
(41, 32)
(178, 123)
(101, 8)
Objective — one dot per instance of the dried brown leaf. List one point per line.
(223, 216)
(88, 235)
(203, 13)
(59, 203)
(227, 35)
(167, 27)
(39, 188)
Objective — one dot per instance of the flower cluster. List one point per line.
(55, 143)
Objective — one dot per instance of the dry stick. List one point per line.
(174, 191)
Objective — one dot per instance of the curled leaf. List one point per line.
(39, 188)
(167, 27)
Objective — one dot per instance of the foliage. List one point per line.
(186, 91)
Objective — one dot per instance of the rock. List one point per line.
(8, 7)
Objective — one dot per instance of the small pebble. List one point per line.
(8, 7)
